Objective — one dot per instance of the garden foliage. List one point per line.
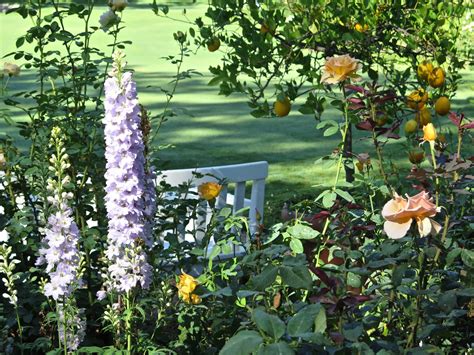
(99, 255)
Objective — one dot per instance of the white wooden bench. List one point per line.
(237, 175)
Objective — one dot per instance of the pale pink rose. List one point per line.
(399, 213)
(339, 68)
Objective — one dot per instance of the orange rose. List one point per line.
(399, 213)
(186, 286)
(339, 68)
(209, 190)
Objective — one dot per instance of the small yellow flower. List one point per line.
(339, 68)
(209, 190)
(429, 133)
(359, 28)
(186, 286)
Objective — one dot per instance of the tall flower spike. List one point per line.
(60, 250)
(125, 182)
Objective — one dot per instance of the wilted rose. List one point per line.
(339, 68)
(11, 69)
(399, 213)
(209, 190)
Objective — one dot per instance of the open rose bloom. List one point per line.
(339, 68)
(399, 213)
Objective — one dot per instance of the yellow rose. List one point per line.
(429, 133)
(424, 69)
(417, 99)
(209, 190)
(399, 213)
(437, 77)
(11, 69)
(186, 286)
(339, 68)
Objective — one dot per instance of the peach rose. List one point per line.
(209, 190)
(339, 68)
(399, 213)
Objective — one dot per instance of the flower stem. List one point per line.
(341, 155)
(434, 168)
(127, 323)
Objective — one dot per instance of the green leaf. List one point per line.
(329, 199)
(352, 331)
(302, 231)
(265, 278)
(303, 321)
(269, 323)
(467, 257)
(353, 280)
(243, 343)
(345, 195)
(320, 323)
(279, 348)
(296, 246)
(452, 255)
(296, 277)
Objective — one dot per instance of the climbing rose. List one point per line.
(339, 68)
(399, 213)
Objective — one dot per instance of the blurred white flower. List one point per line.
(2, 210)
(20, 201)
(4, 236)
(108, 19)
(11, 69)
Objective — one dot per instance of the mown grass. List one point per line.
(219, 130)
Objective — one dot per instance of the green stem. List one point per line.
(341, 156)
(434, 168)
(127, 323)
(20, 328)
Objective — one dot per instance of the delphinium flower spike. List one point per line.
(125, 182)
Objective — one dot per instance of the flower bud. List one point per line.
(429, 133)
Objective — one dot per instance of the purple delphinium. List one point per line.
(60, 250)
(125, 183)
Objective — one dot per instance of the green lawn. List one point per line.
(220, 130)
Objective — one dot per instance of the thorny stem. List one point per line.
(169, 96)
(421, 286)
